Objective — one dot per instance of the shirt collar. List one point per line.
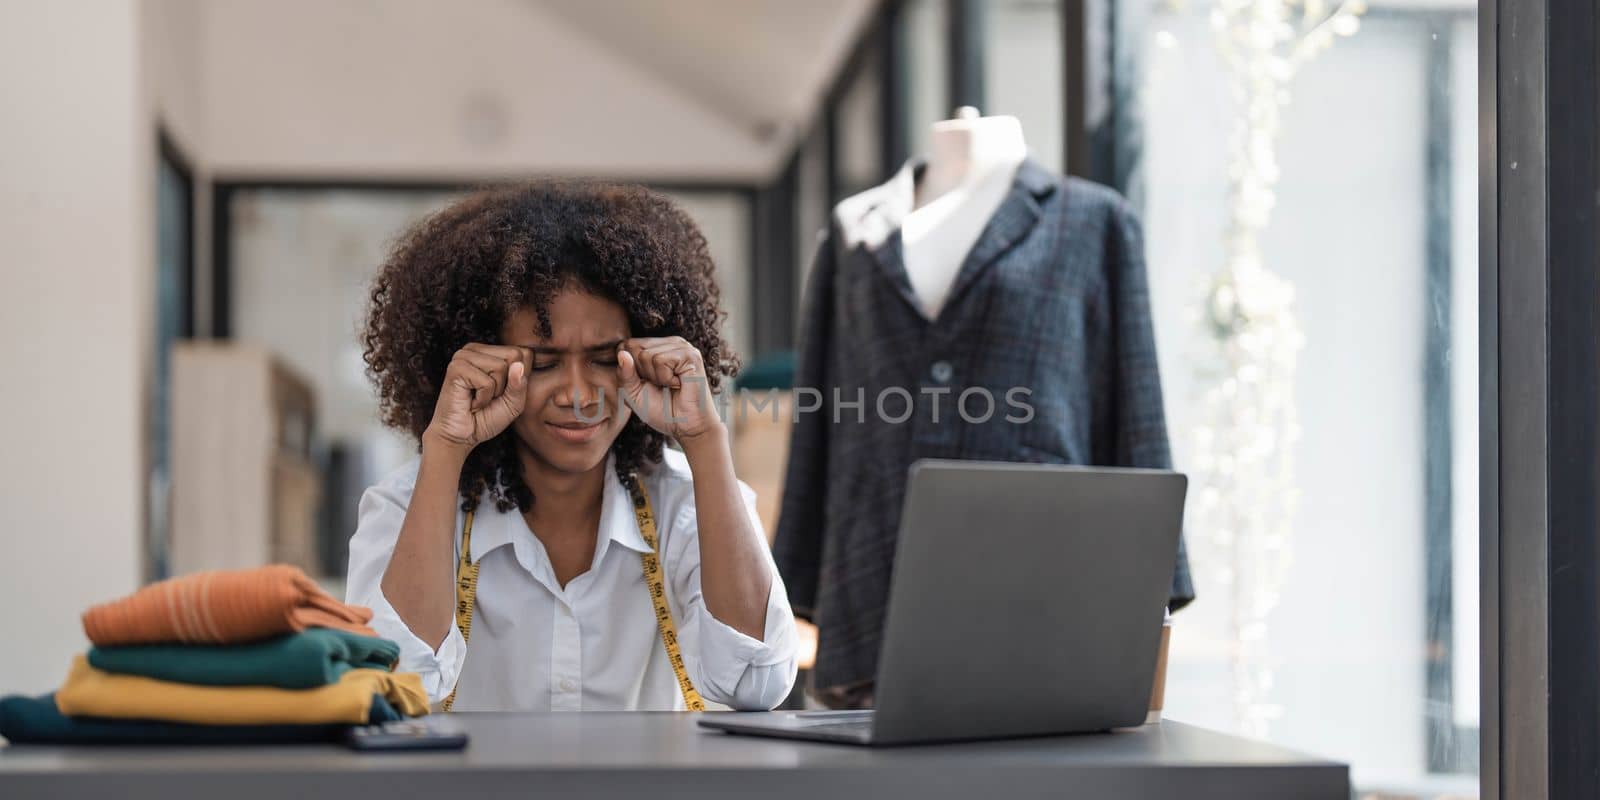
(617, 520)
(872, 216)
(493, 528)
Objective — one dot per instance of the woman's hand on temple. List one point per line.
(664, 381)
(485, 388)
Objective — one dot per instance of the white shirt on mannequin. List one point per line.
(972, 162)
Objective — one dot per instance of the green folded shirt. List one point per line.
(312, 658)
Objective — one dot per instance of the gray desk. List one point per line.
(648, 756)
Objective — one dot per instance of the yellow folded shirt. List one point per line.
(90, 692)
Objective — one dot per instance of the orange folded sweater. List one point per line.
(222, 607)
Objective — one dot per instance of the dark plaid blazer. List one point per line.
(1052, 297)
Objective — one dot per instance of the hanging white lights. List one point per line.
(1245, 437)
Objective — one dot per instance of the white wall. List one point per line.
(417, 88)
(171, 32)
(76, 253)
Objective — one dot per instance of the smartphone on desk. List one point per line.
(420, 733)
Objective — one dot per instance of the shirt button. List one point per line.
(941, 371)
(567, 685)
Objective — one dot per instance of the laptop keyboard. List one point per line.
(834, 720)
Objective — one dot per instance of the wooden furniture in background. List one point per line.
(761, 448)
(245, 490)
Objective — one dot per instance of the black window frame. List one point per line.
(168, 154)
(1539, 268)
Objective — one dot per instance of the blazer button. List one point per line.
(941, 371)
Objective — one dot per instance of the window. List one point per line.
(811, 206)
(1022, 72)
(925, 69)
(859, 129)
(173, 281)
(1342, 621)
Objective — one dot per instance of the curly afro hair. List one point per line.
(456, 276)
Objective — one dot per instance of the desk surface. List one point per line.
(642, 756)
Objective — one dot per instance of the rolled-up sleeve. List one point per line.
(727, 666)
(380, 515)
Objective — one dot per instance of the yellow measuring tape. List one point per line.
(467, 592)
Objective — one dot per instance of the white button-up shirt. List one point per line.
(592, 645)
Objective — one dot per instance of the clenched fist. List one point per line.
(664, 381)
(484, 391)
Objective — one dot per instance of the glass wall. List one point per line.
(1310, 219)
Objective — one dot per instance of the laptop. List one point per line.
(1027, 600)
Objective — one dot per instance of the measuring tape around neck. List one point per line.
(467, 591)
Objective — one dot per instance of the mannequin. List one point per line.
(976, 269)
(971, 163)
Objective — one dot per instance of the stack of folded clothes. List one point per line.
(256, 656)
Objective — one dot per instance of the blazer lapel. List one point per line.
(1011, 222)
(891, 259)
(871, 222)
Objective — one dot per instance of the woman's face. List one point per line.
(573, 413)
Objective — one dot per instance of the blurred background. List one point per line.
(194, 195)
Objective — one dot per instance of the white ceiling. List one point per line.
(670, 90)
(759, 64)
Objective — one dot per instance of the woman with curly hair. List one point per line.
(546, 550)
